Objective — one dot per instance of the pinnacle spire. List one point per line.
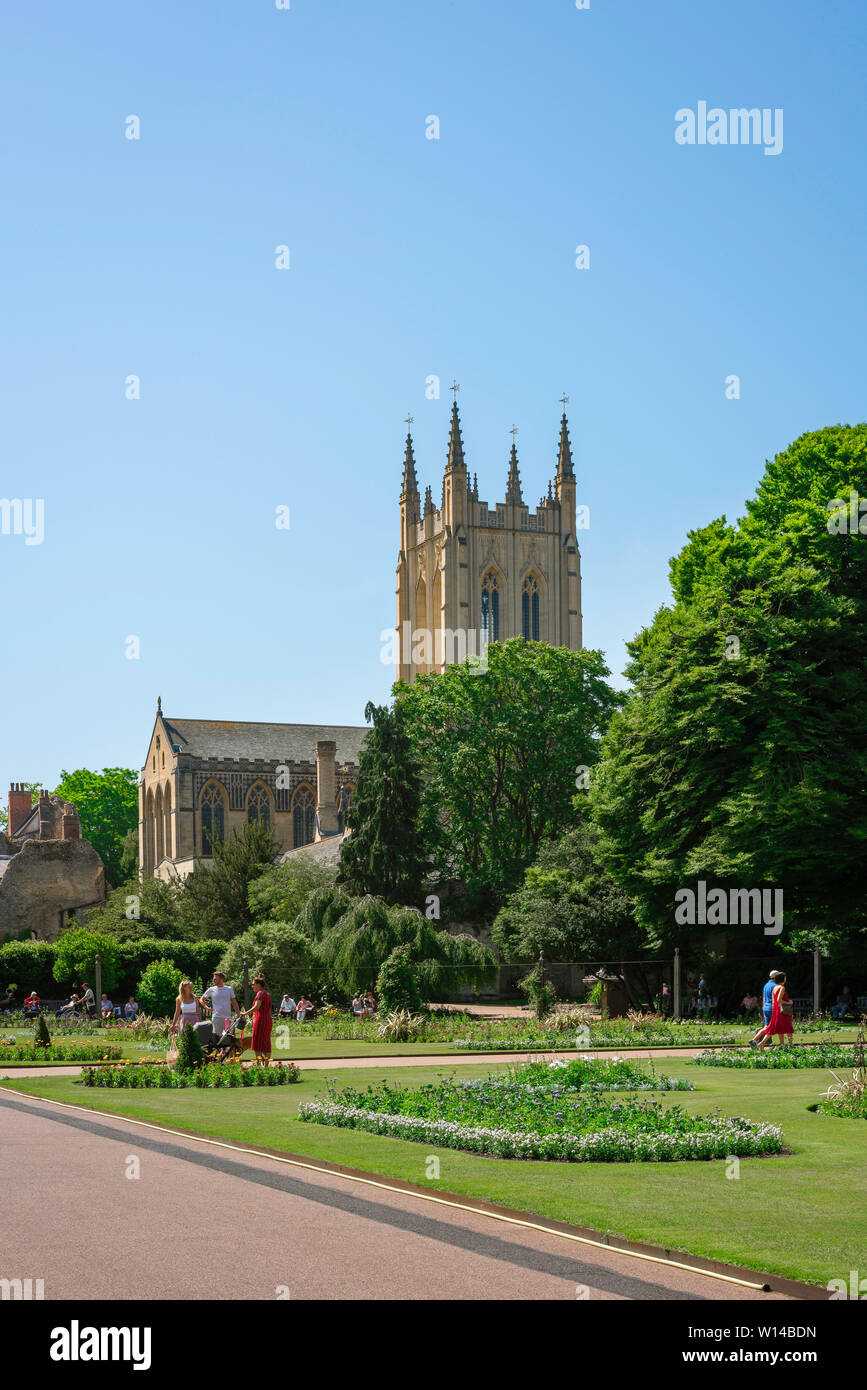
(456, 446)
(564, 457)
(410, 482)
(428, 500)
(513, 484)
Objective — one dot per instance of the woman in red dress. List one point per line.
(780, 1025)
(261, 1011)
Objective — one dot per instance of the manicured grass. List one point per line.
(801, 1214)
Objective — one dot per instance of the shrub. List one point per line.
(397, 982)
(77, 950)
(400, 1026)
(32, 964)
(43, 1037)
(158, 987)
(539, 991)
(190, 1054)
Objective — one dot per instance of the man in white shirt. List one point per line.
(220, 997)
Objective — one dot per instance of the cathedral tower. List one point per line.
(468, 573)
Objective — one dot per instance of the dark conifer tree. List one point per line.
(383, 854)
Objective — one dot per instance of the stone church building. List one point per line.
(469, 573)
(202, 778)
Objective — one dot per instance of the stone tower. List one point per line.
(468, 573)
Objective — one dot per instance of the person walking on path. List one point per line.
(261, 1011)
(187, 1009)
(780, 1025)
(767, 1005)
(220, 998)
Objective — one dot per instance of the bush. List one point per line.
(539, 991)
(43, 1037)
(158, 988)
(279, 951)
(31, 965)
(190, 1054)
(77, 950)
(401, 1026)
(397, 982)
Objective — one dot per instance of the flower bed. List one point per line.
(824, 1054)
(11, 1051)
(511, 1120)
(211, 1076)
(521, 1034)
(585, 1074)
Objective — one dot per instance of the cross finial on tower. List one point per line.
(565, 401)
(454, 387)
(513, 432)
(409, 419)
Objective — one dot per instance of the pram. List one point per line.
(221, 1047)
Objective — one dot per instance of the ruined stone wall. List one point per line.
(47, 878)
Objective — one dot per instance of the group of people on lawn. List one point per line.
(220, 1002)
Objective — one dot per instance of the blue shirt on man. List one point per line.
(768, 997)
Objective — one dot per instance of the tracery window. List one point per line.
(303, 817)
(530, 609)
(213, 816)
(490, 607)
(259, 805)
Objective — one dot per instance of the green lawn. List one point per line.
(802, 1214)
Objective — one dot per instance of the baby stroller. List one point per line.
(222, 1047)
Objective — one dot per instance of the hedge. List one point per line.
(29, 964)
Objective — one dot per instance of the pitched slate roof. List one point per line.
(291, 743)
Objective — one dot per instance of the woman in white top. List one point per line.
(186, 1007)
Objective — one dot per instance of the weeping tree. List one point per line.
(383, 854)
(356, 948)
(322, 910)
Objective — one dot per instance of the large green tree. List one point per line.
(107, 805)
(740, 756)
(283, 889)
(502, 748)
(568, 907)
(215, 899)
(383, 854)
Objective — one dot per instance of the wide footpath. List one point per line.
(800, 1215)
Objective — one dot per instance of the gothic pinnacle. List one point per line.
(456, 447)
(410, 482)
(564, 457)
(513, 485)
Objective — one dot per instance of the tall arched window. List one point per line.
(259, 804)
(149, 833)
(490, 607)
(303, 817)
(160, 824)
(167, 812)
(213, 816)
(530, 609)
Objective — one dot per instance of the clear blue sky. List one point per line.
(409, 256)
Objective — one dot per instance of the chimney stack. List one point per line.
(19, 807)
(326, 788)
(70, 825)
